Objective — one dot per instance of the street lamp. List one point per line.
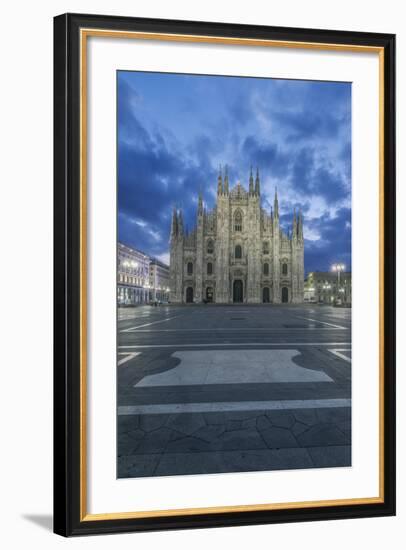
(338, 268)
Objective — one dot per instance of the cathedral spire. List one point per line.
(220, 182)
(180, 223)
(226, 180)
(294, 225)
(251, 186)
(300, 227)
(174, 224)
(257, 185)
(200, 205)
(276, 204)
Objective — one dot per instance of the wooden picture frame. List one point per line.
(71, 31)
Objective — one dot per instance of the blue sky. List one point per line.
(175, 130)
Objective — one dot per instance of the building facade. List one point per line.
(132, 276)
(158, 281)
(236, 252)
(325, 287)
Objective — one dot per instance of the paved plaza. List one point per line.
(227, 388)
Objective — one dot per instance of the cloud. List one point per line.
(175, 130)
(163, 258)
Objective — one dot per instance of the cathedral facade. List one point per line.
(237, 252)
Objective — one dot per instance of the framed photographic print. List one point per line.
(224, 274)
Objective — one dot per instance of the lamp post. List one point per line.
(338, 268)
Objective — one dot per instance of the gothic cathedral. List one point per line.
(236, 252)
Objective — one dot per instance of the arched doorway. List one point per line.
(285, 295)
(237, 291)
(265, 295)
(209, 294)
(189, 294)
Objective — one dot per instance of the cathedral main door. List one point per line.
(189, 294)
(238, 291)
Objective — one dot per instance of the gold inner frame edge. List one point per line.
(173, 37)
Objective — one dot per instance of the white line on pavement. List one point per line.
(168, 408)
(236, 329)
(128, 357)
(323, 323)
(341, 355)
(281, 344)
(132, 329)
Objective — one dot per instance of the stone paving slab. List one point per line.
(137, 465)
(230, 461)
(330, 456)
(227, 441)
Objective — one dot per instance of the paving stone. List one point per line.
(136, 434)
(332, 456)
(334, 415)
(281, 420)
(239, 439)
(176, 435)
(126, 445)
(191, 463)
(127, 423)
(306, 416)
(186, 423)
(279, 438)
(262, 423)
(137, 466)
(345, 427)
(250, 423)
(209, 433)
(263, 460)
(298, 428)
(233, 425)
(150, 422)
(242, 415)
(154, 442)
(188, 444)
(233, 461)
(214, 418)
(321, 436)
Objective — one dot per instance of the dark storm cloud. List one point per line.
(335, 244)
(311, 179)
(266, 156)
